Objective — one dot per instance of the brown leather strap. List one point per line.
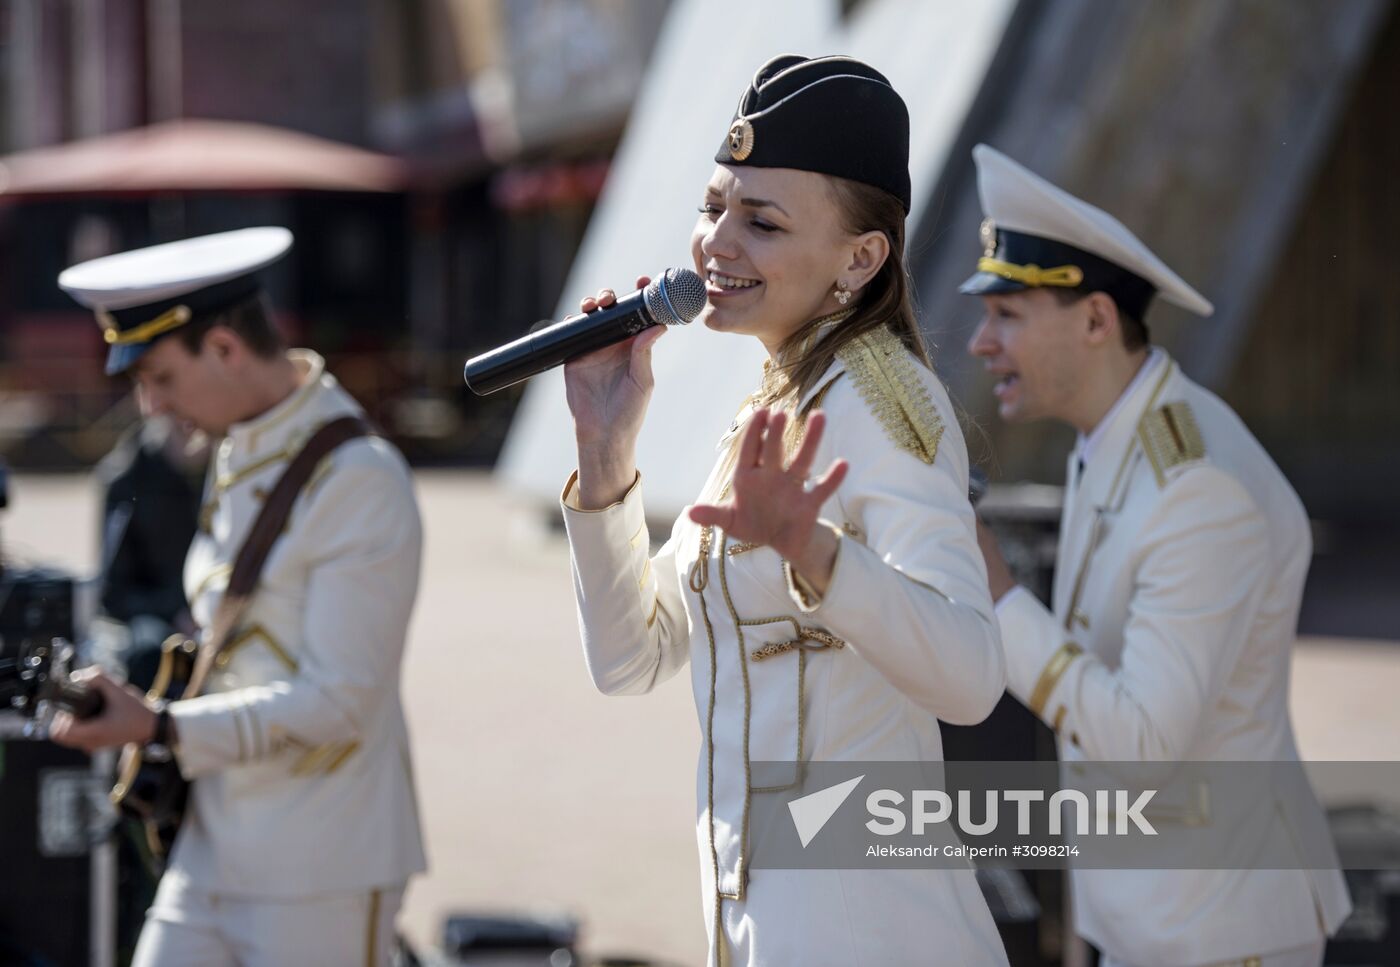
(270, 523)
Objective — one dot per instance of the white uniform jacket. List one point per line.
(904, 636)
(1182, 556)
(298, 753)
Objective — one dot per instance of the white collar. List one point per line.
(1085, 445)
(251, 434)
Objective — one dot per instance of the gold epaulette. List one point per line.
(885, 374)
(1170, 437)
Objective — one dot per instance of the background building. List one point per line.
(493, 124)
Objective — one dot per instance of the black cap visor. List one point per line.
(121, 358)
(989, 283)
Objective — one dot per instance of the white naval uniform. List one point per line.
(302, 795)
(909, 605)
(1183, 552)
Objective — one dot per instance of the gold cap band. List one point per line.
(161, 324)
(1067, 276)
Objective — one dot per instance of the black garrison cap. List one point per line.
(832, 115)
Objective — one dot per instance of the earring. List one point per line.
(843, 294)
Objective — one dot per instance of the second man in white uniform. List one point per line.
(1182, 556)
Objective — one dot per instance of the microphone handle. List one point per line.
(557, 344)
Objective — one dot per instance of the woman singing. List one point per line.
(827, 619)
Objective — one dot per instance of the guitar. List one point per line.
(149, 787)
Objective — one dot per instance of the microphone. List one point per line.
(671, 300)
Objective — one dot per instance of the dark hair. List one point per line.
(249, 319)
(1135, 335)
(887, 299)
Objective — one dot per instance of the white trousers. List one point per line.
(1308, 955)
(188, 927)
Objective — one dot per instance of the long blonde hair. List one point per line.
(808, 353)
(886, 301)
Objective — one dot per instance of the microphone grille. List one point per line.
(676, 297)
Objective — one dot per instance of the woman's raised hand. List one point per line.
(608, 392)
(772, 502)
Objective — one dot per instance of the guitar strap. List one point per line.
(270, 523)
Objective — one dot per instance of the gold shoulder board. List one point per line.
(884, 374)
(1170, 437)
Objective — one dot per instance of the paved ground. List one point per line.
(539, 794)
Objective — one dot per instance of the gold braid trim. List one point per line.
(1170, 437)
(248, 636)
(820, 638)
(1050, 676)
(885, 376)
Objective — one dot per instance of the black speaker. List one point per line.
(45, 853)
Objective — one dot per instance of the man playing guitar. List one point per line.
(300, 829)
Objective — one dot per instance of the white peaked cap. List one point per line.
(1018, 200)
(142, 295)
(160, 272)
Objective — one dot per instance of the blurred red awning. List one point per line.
(198, 155)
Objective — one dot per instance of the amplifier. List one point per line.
(52, 839)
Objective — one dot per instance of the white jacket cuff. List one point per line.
(569, 497)
(1037, 652)
(212, 732)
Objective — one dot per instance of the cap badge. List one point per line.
(741, 139)
(988, 234)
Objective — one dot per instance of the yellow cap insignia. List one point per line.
(161, 324)
(1064, 276)
(741, 139)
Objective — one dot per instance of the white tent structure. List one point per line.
(935, 52)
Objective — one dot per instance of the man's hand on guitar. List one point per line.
(125, 717)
